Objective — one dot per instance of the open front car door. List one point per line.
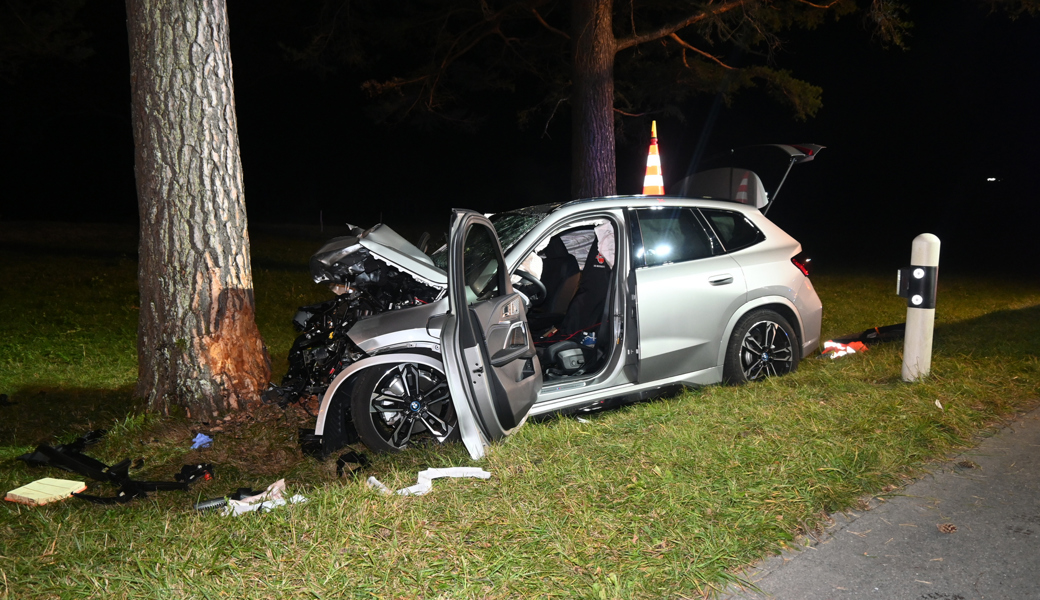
(489, 355)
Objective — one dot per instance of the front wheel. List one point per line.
(393, 406)
(763, 345)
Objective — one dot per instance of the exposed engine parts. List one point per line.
(365, 286)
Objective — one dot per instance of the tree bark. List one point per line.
(593, 167)
(198, 344)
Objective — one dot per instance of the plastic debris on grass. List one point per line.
(852, 344)
(837, 349)
(425, 480)
(70, 457)
(272, 497)
(221, 502)
(351, 457)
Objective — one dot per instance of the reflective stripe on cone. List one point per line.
(653, 182)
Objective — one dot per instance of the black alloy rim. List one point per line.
(766, 351)
(411, 399)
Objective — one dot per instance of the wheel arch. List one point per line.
(778, 304)
(345, 379)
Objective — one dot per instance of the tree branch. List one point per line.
(667, 30)
(686, 45)
(823, 6)
(534, 11)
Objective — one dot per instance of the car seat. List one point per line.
(586, 309)
(560, 274)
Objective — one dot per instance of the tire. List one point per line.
(763, 345)
(395, 405)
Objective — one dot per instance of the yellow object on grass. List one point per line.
(43, 491)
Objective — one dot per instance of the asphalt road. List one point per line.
(897, 549)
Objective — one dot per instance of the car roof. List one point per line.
(643, 201)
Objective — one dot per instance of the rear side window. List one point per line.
(733, 229)
(670, 235)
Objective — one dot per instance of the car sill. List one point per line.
(702, 377)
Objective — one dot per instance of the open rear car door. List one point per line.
(489, 355)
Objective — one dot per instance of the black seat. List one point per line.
(586, 309)
(560, 274)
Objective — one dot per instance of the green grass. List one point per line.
(668, 498)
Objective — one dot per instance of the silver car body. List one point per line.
(669, 324)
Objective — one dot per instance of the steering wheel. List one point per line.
(540, 292)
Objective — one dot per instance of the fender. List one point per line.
(750, 306)
(372, 361)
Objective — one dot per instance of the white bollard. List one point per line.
(917, 284)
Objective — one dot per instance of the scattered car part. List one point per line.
(221, 502)
(71, 458)
(272, 497)
(424, 481)
(838, 350)
(876, 335)
(351, 457)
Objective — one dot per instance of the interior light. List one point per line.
(663, 250)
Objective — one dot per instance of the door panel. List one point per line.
(683, 309)
(490, 358)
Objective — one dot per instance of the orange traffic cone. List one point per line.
(653, 183)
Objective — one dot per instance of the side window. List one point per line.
(480, 264)
(670, 235)
(733, 229)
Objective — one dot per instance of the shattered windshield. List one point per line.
(510, 227)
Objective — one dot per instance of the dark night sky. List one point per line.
(911, 137)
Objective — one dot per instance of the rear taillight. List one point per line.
(803, 262)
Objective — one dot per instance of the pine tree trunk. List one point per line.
(198, 344)
(593, 166)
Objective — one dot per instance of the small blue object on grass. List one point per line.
(201, 441)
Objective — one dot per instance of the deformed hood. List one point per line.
(344, 256)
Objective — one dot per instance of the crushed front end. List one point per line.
(371, 272)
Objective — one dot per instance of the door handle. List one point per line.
(724, 279)
(507, 355)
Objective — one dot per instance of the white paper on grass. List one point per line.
(272, 497)
(372, 482)
(425, 479)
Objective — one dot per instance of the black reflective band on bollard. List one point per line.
(918, 285)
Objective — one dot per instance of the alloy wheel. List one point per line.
(766, 351)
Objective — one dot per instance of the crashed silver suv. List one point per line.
(552, 308)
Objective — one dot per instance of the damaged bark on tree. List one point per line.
(198, 344)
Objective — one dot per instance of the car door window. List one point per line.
(670, 235)
(481, 267)
(733, 229)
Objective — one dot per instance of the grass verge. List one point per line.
(667, 498)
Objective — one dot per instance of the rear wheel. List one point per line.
(397, 405)
(763, 345)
